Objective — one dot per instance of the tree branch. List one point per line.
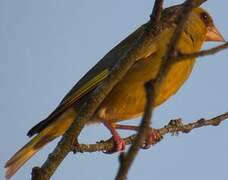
(173, 127)
(156, 13)
(144, 128)
(211, 51)
(127, 160)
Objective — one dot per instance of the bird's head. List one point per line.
(199, 24)
(212, 33)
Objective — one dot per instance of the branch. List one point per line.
(144, 128)
(156, 13)
(211, 51)
(173, 127)
(127, 160)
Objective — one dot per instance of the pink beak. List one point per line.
(214, 35)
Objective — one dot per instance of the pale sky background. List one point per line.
(47, 45)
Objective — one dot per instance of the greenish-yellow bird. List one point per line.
(127, 98)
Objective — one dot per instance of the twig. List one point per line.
(211, 51)
(174, 126)
(127, 160)
(156, 14)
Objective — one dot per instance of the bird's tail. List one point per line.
(25, 153)
(52, 130)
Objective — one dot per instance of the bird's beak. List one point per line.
(214, 35)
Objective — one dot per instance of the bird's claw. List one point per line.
(119, 145)
(153, 137)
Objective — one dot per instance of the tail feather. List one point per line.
(25, 153)
(46, 134)
(12, 168)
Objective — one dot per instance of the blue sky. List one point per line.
(47, 45)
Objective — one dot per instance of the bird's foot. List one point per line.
(153, 137)
(119, 143)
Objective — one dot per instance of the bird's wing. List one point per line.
(92, 78)
(98, 73)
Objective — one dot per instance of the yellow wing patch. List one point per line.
(87, 87)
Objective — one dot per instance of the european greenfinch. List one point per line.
(127, 98)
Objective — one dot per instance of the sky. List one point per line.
(45, 48)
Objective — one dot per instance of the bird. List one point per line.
(127, 98)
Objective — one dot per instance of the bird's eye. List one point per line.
(205, 17)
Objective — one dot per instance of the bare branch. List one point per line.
(156, 13)
(211, 51)
(127, 160)
(174, 126)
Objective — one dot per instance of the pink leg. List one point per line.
(119, 142)
(152, 138)
(126, 127)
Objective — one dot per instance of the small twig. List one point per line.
(211, 51)
(175, 127)
(156, 14)
(127, 160)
